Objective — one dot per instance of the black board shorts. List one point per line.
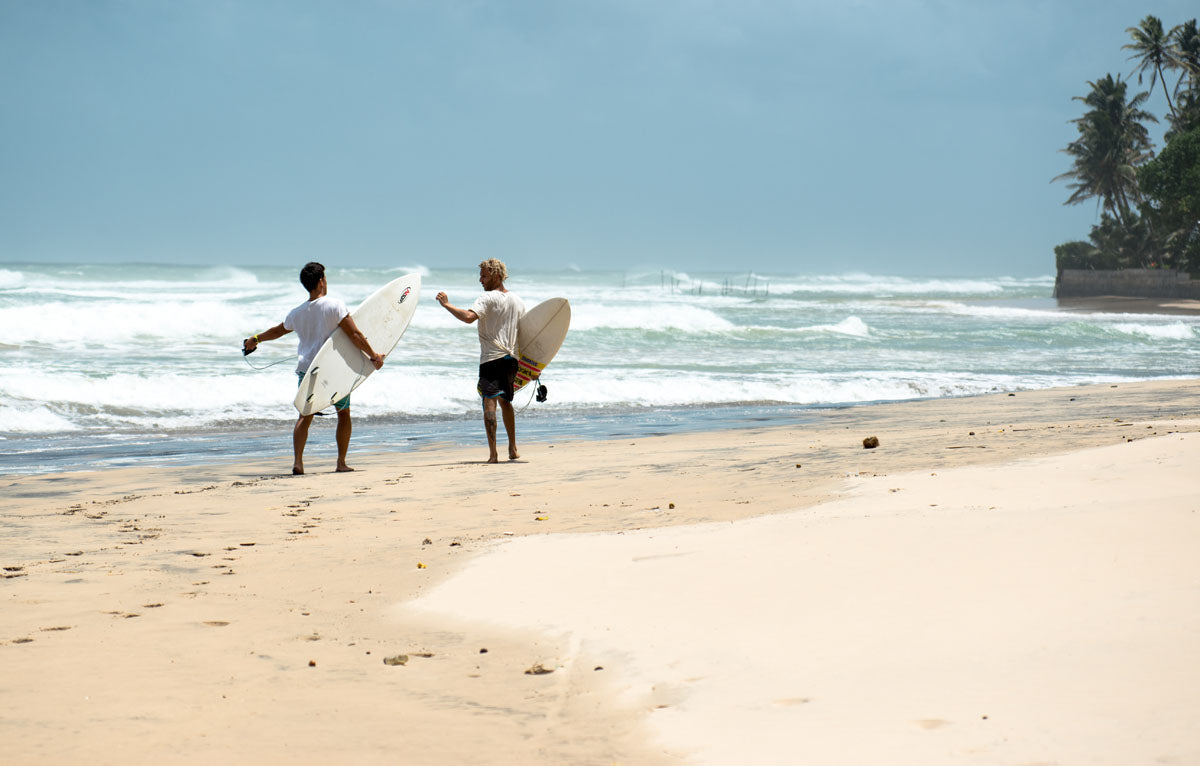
(496, 378)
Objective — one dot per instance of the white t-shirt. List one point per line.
(314, 322)
(498, 315)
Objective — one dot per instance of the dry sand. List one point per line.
(1025, 594)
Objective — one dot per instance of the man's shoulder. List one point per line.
(297, 311)
(488, 299)
(332, 305)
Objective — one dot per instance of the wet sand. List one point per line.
(1115, 304)
(1005, 578)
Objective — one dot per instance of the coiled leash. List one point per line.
(540, 393)
(246, 352)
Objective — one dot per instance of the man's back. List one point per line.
(313, 323)
(499, 314)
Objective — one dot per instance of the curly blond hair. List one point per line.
(495, 266)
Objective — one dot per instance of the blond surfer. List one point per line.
(498, 313)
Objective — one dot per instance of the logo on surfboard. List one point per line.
(404, 296)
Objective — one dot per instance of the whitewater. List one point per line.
(136, 364)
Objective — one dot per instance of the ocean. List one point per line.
(111, 365)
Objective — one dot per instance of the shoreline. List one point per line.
(174, 612)
(1116, 304)
(373, 440)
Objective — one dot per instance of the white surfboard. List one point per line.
(340, 367)
(540, 335)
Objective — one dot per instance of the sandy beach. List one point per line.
(1006, 579)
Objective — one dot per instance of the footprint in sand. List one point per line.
(929, 724)
(57, 627)
(216, 623)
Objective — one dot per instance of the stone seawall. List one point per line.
(1129, 283)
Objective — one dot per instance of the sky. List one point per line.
(906, 137)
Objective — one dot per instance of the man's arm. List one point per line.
(251, 343)
(463, 315)
(351, 329)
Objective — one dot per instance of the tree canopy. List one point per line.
(1148, 205)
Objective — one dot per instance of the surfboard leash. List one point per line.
(246, 356)
(539, 392)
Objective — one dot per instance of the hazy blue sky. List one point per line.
(890, 136)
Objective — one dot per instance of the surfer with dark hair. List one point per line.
(498, 311)
(313, 322)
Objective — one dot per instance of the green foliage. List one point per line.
(1124, 242)
(1150, 206)
(1112, 143)
(1152, 48)
(1078, 255)
(1171, 183)
(1185, 55)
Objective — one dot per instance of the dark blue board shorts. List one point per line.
(496, 378)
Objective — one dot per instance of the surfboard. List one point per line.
(340, 367)
(540, 334)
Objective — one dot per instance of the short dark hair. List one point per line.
(311, 275)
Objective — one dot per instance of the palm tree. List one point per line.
(1152, 48)
(1185, 52)
(1112, 143)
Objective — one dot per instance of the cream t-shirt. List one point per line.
(498, 313)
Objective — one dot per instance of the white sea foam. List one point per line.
(992, 312)
(227, 276)
(848, 326)
(647, 317)
(32, 420)
(867, 284)
(1172, 331)
(70, 324)
(153, 350)
(402, 270)
(659, 389)
(11, 279)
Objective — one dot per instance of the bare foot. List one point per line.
(344, 468)
(494, 458)
(297, 470)
(513, 454)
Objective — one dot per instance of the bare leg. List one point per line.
(343, 439)
(299, 439)
(510, 427)
(489, 425)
